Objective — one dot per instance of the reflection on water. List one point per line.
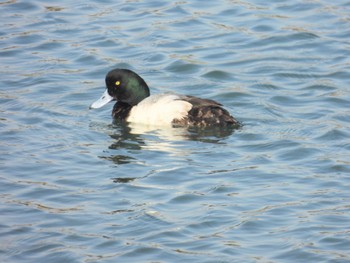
(75, 188)
(130, 138)
(124, 139)
(119, 159)
(205, 134)
(123, 179)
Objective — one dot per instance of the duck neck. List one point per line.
(121, 110)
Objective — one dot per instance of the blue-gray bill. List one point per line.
(105, 98)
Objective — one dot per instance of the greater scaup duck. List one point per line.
(134, 104)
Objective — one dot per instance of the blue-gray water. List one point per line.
(76, 188)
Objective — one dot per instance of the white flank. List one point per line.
(159, 110)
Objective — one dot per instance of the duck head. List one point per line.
(123, 85)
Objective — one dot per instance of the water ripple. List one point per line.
(94, 191)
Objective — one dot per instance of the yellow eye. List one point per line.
(117, 83)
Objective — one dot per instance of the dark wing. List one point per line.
(207, 112)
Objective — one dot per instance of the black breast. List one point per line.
(121, 111)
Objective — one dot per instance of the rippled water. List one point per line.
(76, 188)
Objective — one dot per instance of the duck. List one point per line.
(134, 104)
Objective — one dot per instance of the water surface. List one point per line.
(77, 188)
